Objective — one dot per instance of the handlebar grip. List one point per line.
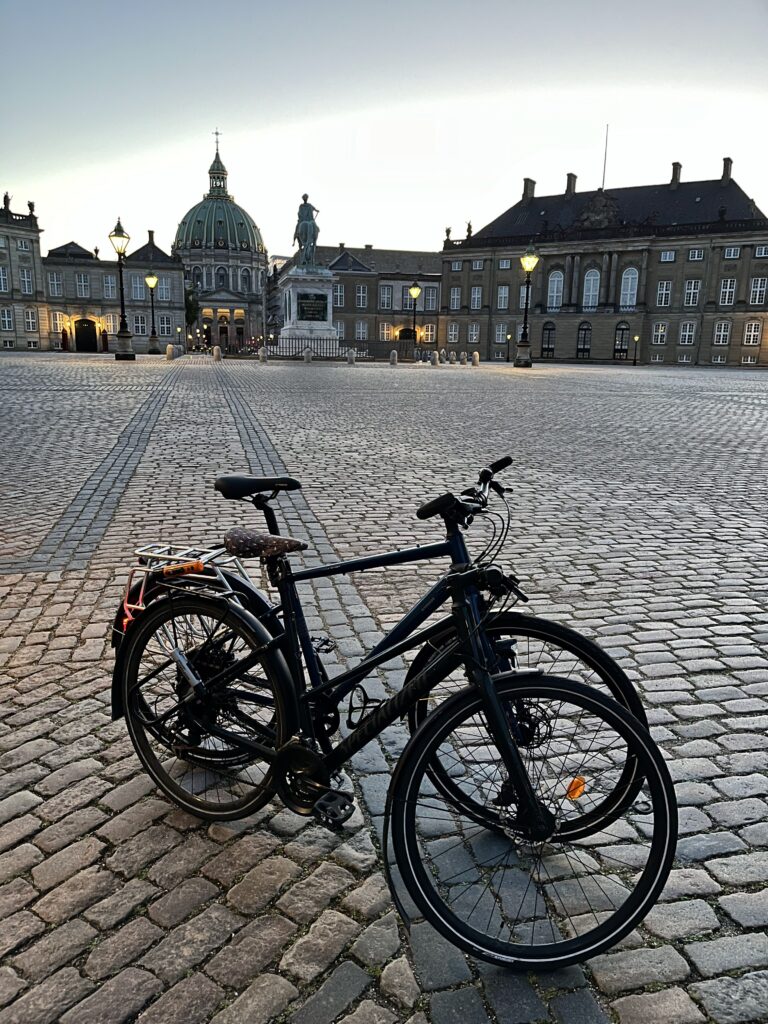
(496, 467)
(436, 507)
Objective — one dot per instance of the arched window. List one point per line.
(245, 281)
(621, 341)
(584, 340)
(555, 290)
(628, 289)
(197, 277)
(591, 289)
(222, 277)
(548, 340)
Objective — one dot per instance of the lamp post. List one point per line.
(150, 280)
(509, 342)
(197, 340)
(528, 262)
(636, 339)
(120, 239)
(189, 342)
(178, 337)
(414, 291)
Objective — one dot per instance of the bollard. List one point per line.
(443, 357)
(393, 358)
(475, 358)
(169, 352)
(433, 359)
(263, 354)
(307, 355)
(351, 357)
(217, 353)
(463, 358)
(452, 358)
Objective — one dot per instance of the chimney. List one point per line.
(727, 165)
(676, 168)
(529, 186)
(368, 245)
(570, 184)
(151, 237)
(342, 245)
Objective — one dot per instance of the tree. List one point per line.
(191, 306)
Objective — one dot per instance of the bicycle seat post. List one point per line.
(262, 504)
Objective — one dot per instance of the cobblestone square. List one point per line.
(639, 502)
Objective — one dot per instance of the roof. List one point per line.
(343, 259)
(217, 222)
(149, 253)
(638, 209)
(71, 251)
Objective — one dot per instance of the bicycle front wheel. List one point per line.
(194, 744)
(520, 903)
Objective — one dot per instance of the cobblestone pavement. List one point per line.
(639, 519)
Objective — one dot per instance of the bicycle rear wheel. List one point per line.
(528, 904)
(189, 743)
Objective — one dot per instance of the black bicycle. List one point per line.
(532, 817)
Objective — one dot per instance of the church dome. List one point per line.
(218, 223)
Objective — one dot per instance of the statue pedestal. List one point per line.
(306, 294)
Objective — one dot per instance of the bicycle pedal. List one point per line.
(323, 644)
(333, 808)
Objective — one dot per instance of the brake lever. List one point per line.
(498, 488)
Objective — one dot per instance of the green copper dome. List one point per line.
(217, 222)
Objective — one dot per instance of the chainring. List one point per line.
(301, 777)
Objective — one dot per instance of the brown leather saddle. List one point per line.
(250, 544)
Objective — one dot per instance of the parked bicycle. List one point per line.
(532, 817)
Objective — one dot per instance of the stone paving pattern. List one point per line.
(639, 501)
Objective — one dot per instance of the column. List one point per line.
(567, 280)
(604, 280)
(643, 278)
(612, 299)
(575, 284)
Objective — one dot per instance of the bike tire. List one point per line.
(555, 925)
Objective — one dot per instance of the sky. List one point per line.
(399, 118)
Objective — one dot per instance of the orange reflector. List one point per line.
(182, 568)
(576, 787)
(126, 620)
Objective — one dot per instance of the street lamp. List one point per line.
(189, 342)
(120, 239)
(528, 262)
(150, 280)
(509, 340)
(636, 339)
(197, 339)
(178, 336)
(414, 291)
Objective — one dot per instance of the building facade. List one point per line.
(70, 299)
(681, 267)
(226, 267)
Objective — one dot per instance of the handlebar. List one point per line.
(472, 501)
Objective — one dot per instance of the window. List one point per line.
(591, 289)
(749, 359)
(112, 323)
(164, 325)
(752, 332)
(502, 298)
(477, 264)
(695, 254)
(584, 339)
(22, 244)
(32, 343)
(668, 256)
(339, 325)
(110, 286)
(722, 333)
(139, 323)
(718, 357)
(761, 251)
(522, 296)
(473, 333)
(659, 335)
(245, 284)
(164, 286)
(506, 264)
(727, 291)
(685, 357)
(429, 333)
(621, 341)
(3, 242)
(3, 279)
(137, 287)
(385, 332)
(456, 265)
(664, 293)
(25, 280)
(657, 357)
(55, 283)
(338, 295)
(692, 289)
(361, 296)
(430, 297)
(732, 252)
(408, 302)
(361, 330)
(628, 296)
(57, 323)
(385, 296)
(30, 319)
(6, 319)
(555, 291)
(9, 343)
(83, 286)
(222, 277)
(453, 332)
(501, 334)
(548, 341)
(197, 277)
(757, 289)
(476, 297)
(687, 332)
